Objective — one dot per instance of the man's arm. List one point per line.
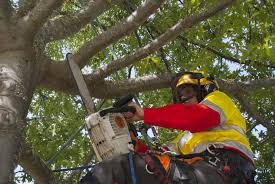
(192, 117)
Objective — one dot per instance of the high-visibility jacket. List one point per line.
(226, 131)
(230, 132)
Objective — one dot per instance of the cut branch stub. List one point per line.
(7, 118)
(10, 84)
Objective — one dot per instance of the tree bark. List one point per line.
(25, 6)
(17, 71)
(68, 25)
(116, 32)
(36, 167)
(59, 72)
(32, 22)
(239, 91)
(5, 9)
(14, 101)
(169, 35)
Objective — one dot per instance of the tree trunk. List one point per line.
(17, 69)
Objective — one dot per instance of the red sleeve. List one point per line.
(192, 117)
(140, 147)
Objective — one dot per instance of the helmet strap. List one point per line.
(199, 92)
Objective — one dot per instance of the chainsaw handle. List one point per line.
(127, 108)
(117, 110)
(123, 101)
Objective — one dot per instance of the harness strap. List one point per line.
(156, 169)
(132, 167)
(232, 166)
(191, 161)
(164, 160)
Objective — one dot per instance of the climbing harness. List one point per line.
(170, 167)
(154, 167)
(233, 167)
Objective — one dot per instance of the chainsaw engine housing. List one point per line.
(110, 135)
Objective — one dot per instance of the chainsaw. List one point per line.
(108, 129)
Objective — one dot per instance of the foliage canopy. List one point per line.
(237, 44)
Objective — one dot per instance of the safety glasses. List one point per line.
(185, 91)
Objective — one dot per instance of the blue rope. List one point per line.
(132, 167)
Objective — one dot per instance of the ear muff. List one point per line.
(173, 86)
(209, 88)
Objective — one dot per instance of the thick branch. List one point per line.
(242, 96)
(172, 33)
(56, 80)
(110, 89)
(70, 24)
(116, 32)
(25, 6)
(260, 83)
(152, 82)
(36, 167)
(5, 9)
(38, 16)
(98, 89)
(60, 75)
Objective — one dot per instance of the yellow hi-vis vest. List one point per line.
(230, 132)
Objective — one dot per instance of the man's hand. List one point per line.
(133, 137)
(138, 115)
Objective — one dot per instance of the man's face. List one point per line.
(187, 91)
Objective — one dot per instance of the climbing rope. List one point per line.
(74, 168)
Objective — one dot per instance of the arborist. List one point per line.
(212, 128)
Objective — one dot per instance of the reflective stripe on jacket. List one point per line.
(229, 133)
